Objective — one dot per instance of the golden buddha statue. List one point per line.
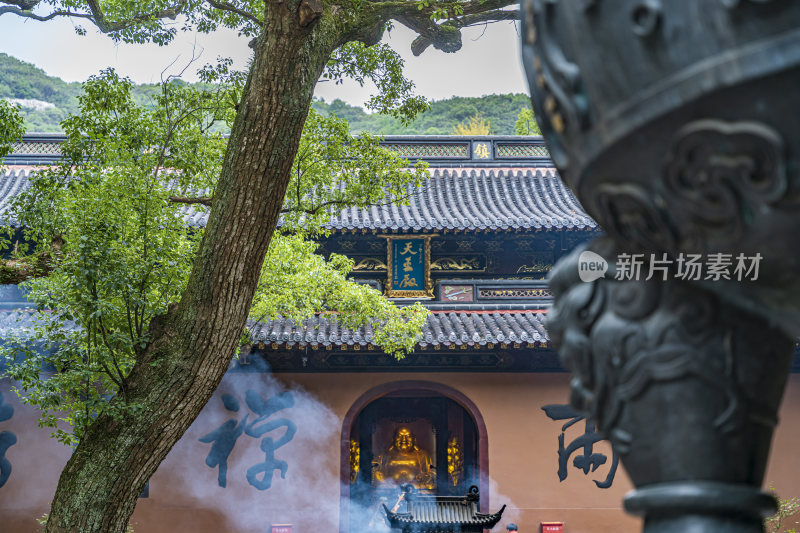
(355, 460)
(455, 461)
(404, 462)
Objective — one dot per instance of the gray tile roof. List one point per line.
(12, 181)
(451, 199)
(476, 199)
(15, 321)
(455, 328)
(441, 513)
(469, 328)
(20, 322)
(15, 179)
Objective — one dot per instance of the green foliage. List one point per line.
(787, 508)
(384, 67)
(443, 9)
(207, 19)
(333, 169)
(296, 282)
(11, 128)
(125, 251)
(526, 123)
(474, 125)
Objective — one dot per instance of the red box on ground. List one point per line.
(282, 528)
(552, 527)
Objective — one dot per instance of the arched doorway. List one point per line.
(449, 440)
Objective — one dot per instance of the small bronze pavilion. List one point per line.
(426, 513)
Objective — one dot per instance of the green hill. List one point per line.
(25, 81)
(500, 110)
(49, 100)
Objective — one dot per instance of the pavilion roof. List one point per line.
(428, 513)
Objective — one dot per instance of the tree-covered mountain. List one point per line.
(499, 110)
(47, 100)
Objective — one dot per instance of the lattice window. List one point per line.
(522, 150)
(460, 150)
(513, 293)
(45, 148)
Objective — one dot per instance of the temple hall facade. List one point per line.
(316, 429)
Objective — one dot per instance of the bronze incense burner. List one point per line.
(675, 125)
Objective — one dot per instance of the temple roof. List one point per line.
(488, 183)
(466, 199)
(453, 328)
(474, 199)
(502, 312)
(425, 513)
(443, 328)
(13, 180)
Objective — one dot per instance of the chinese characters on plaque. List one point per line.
(409, 267)
(481, 150)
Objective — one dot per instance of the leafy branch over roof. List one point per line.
(125, 251)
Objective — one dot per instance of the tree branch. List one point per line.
(105, 26)
(25, 13)
(446, 35)
(421, 43)
(205, 200)
(225, 6)
(121, 384)
(344, 203)
(25, 5)
(23, 8)
(489, 16)
(37, 265)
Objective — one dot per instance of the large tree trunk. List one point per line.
(193, 343)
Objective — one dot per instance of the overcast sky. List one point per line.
(488, 63)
